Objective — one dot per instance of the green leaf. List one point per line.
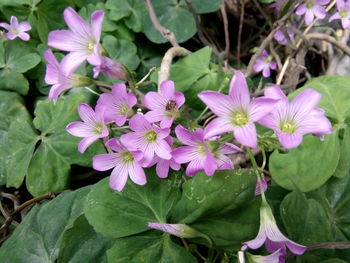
(39, 236)
(173, 15)
(344, 160)
(22, 140)
(266, 1)
(124, 51)
(82, 244)
(11, 109)
(335, 96)
(131, 11)
(206, 6)
(49, 169)
(308, 166)
(13, 81)
(119, 214)
(204, 196)
(148, 248)
(319, 216)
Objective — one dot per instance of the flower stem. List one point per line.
(145, 77)
(92, 91)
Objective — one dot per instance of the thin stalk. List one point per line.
(92, 91)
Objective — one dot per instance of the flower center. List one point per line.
(127, 157)
(288, 127)
(99, 128)
(123, 109)
(171, 105)
(90, 47)
(343, 13)
(309, 4)
(201, 149)
(151, 136)
(239, 118)
(14, 31)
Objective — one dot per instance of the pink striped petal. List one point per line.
(96, 24)
(167, 89)
(104, 162)
(118, 178)
(289, 140)
(239, 91)
(136, 173)
(246, 135)
(220, 104)
(85, 143)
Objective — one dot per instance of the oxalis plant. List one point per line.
(112, 151)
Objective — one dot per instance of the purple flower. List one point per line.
(202, 154)
(165, 105)
(278, 5)
(60, 78)
(236, 112)
(272, 258)
(92, 127)
(149, 139)
(124, 163)
(110, 68)
(82, 40)
(280, 36)
(312, 8)
(271, 235)
(118, 104)
(16, 29)
(264, 63)
(343, 13)
(291, 120)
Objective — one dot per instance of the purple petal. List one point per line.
(137, 175)
(14, 21)
(319, 12)
(5, 25)
(115, 145)
(166, 122)
(270, 121)
(309, 17)
(259, 187)
(76, 23)
(258, 241)
(218, 126)
(24, 26)
(96, 23)
(154, 101)
(118, 178)
(63, 40)
(163, 150)
(24, 36)
(289, 140)
(72, 61)
(239, 91)
(184, 135)
(340, 4)
(87, 114)
(315, 124)
(132, 140)
(246, 135)
(11, 36)
(52, 69)
(155, 116)
(273, 65)
(119, 90)
(194, 167)
(229, 148)
(345, 22)
(179, 98)
(85, 143)
(301, 10)
(296, 248)
(261, 107)
(80, 129)
(139, 123)
(322, 2)
(266, 72)
(304, 103)
(280, 37)
(275, 92)
(218, 103)
(259, 65)
(210, 164)
(334, 17)
(55, 91)
(185, 154)
(104, 162)
(167, 89)
(162, 168)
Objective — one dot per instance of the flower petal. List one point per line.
(118, 178)
(137, 174)
(96, 24)
(104, 162)
(289, 140)
(24, 26)
(184, 135)
(139, 123)
(246, 135)
(239, 91)
(162, 168)
(185, 154)
(163, 150)
(78, 25)
(154, 101)
(220, 104)
(80, 129)
(217, 126)
(194, 167)
(304, 103)
(24, 36)
(72, 61)
(315, 124)
(85, 143)
(63, 40)
(5, 25)
(210, 164)
(115, 145)
(167, 89)
(261, 107)
(87, 114)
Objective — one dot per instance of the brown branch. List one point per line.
(24, 205)
(164, 70)
(166, 33)
(241, 18)
(261, 10)
(329, 245)
(327, 38)
(226, 31)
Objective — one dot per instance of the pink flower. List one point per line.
(291, 120)
(147, 138)
(278, 5)
(280, 36)
(82, 40)
(118, 104)
(60, 77)
(312, 8)
(91, 129)
(110, 68)
(164, 106)
(264, 63)
(236, 112)
(272, 258)
(343, 13)
(124, 163)
(16, 29)
(202, 155)
(271, 235)
(262, 187)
